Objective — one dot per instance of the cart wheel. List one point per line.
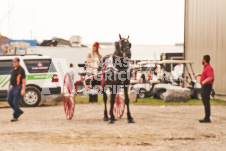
(119, 105)
(69, 94)
(198, 95)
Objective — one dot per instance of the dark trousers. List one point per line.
(205, 92)
(13, 98)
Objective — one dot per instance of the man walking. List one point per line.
(72, 71)
(207, 79)
(16, 88)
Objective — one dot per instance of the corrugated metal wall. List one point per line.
(205, 33)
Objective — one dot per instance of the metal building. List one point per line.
(205, 33)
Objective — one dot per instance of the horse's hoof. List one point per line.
(106, 118)
(131, 120)
(112, 121)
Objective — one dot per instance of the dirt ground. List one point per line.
(157, 128)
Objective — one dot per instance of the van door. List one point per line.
(40, 73)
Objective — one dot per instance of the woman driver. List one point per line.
(93, 60)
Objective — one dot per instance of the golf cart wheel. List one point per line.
(198, 95)
(155, 96)
(31, 98)
(161, 94)
(69, 94)
(141, 94)
(119, 105)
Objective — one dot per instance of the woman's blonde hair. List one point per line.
(97, 51)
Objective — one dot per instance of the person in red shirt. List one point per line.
(207, 79)
(149, 75)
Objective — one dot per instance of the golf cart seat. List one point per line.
(83, 65)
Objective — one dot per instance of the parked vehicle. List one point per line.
(143, 89)
(158, 90)
(41, 77)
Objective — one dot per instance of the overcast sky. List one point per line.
(146, 21)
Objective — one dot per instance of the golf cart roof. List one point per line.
(174, 61)
(164, 62)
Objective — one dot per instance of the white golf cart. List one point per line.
(144, 86)
(158, 89)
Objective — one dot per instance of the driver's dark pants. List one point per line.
(205, 92)
(13, 98)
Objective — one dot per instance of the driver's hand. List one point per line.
(197, 75)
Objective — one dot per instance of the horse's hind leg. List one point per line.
(105, 107)
(130, 119)
(112, 118)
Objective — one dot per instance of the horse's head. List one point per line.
(123, 47)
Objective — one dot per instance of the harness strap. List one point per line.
(102, 79)
(112, 67)
(103, 71)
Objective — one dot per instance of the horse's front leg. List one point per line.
(105, 106)
(112, 118)
(130, 119)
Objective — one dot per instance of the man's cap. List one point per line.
(96, 44)
(16, 59)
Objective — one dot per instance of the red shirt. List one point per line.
(206, 73)
(149, 76)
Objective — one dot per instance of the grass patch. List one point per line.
(4, 103)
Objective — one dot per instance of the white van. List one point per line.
(41, 77)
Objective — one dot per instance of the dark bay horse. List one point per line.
(116, 76)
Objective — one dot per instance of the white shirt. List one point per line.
(72, 72)
(94, 61)
(178, 71)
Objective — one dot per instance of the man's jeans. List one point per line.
(205, 92)
(13, 98)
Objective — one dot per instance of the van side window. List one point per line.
(39, 65)
(5, 67)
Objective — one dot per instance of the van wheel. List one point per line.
(31, 98)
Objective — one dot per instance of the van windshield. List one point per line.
(39, 65)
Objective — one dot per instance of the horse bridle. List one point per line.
(109, 63)
(120, 45)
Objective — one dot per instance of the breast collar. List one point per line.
(109, 66)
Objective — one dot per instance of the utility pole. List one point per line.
(8, 18)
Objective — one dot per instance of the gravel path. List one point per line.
(157, 128)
